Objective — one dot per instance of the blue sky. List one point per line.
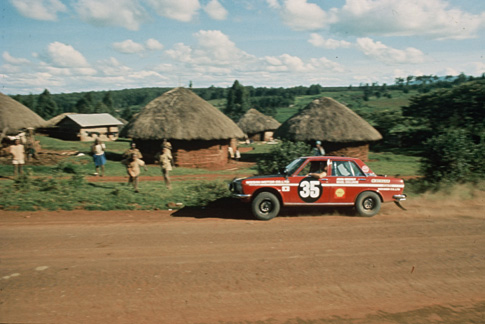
(90, 45)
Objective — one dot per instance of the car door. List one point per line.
(346, 182)
(307, 190)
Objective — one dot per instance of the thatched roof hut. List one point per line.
(15, 117)
(55, 120)
(341, 130)
(200, 133)
(257, 125)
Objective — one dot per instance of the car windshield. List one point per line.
(293, 166)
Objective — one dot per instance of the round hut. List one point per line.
(258, 126)
(15, 117)
(341, 131)
(200, 134)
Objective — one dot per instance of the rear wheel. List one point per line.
(368, 204)
(265, 206)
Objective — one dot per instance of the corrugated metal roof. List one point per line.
(89, 120)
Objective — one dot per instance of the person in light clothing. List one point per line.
(99, 157)
(166, 161)
(18, 157)
(133, 164)
(319, 150)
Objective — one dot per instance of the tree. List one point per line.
(46, 106)
(460, 107)
(85, 104)
(237, 101)
(127, 114)
(108, 103)
(314, 89)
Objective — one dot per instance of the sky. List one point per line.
(93, 45)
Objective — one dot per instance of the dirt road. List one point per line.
(426, 265)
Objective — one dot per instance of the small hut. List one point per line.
(200, 134)
(15, 117)
(258, 126)
(55, 120)
(84, 127)
(341, 130)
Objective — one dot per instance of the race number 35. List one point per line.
(309, 190)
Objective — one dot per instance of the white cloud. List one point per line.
(324, 63)
(301, 15)
(112, 67)
(181, 10)
(294, 64)
(180, 52)
(431, 18)
(13, 60)
(389, 55)
(153, 45)
(273, 4)
(124, 13)
(318, 41)
(128, 47)
(39, 9)
(215, 10)
(213, 48)
(286, 62)
(476, 68)
(65, 56)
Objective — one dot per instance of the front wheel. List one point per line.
(368, 204)
(265, 206)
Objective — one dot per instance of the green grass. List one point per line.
(392, 164)
(69, 194)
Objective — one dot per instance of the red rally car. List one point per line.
(319, 181)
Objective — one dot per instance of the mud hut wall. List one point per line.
(355, 150)
(268, 136)
(214, 156)
(188, 154)
(255, 137)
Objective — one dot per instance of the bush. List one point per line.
(281, 155)
(453, 156)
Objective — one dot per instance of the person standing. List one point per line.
(132, 149)
(318, 150)
(166, 162)
(18, 157)
(98, 148)
(133, 164)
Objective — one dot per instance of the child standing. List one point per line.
(99, 157)
(133, 164)
(18, 157)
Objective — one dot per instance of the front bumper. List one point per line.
(241, 196)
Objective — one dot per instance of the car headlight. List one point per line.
(236, 186)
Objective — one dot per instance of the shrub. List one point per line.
(453, 156)
(281, 155)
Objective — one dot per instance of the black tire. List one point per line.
(265, 206)
(368, 204)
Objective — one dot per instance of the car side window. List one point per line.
(356, 170)
(313, 167)
(346, 169)
(306, 169)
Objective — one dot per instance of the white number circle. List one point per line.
(309, 190)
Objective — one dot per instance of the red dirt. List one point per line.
(218, 265)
